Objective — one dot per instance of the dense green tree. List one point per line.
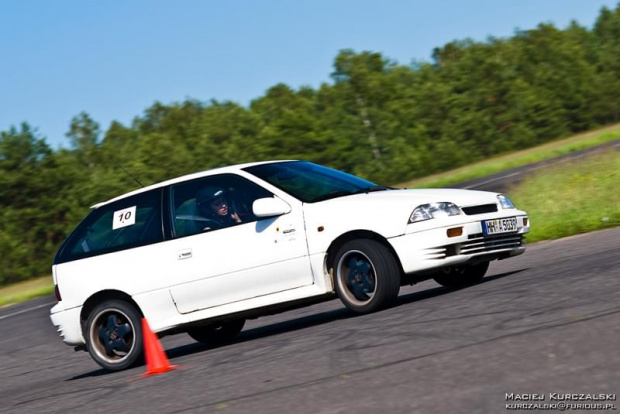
(25, 183)
(84, 136)
(607, 48)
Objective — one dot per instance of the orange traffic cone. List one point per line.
(156, 359)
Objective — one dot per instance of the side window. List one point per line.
(213, 203)
(127, 223)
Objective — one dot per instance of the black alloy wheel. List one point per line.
(114, 335)
(366, 276)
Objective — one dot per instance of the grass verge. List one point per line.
(517, 159)
(22, 291)
(571, 198)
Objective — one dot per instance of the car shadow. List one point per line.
(97, 373)
(268, 330)
(304, 323)
(440, 290)
(323, 318)
(488, 279)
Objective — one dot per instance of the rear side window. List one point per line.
(125, 224)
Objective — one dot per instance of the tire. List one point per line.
(366, 276)
(113, 334)
(460, 276)
(217, 334)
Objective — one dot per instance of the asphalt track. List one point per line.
(545, 322)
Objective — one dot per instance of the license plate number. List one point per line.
(498, 226)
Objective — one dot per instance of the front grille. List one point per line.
(477, 244)
(480, 209)
(491, 243)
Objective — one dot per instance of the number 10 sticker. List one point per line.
(123, 218)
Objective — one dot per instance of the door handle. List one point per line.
(184, 254)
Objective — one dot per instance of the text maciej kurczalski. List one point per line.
(556, 396)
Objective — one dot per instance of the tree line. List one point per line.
(378, 119)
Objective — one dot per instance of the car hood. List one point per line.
(383, 212)
(461, 198)
(410, 198)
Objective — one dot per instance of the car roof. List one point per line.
(187, 177)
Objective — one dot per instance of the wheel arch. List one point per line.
(340, 241)
(102, 296)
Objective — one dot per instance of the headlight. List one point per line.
(505, 202)
(434, 210)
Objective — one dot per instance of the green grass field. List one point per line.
(561, 200)
(571, 198)
(22, 291)
(517, 159)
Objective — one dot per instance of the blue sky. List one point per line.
(113, 59)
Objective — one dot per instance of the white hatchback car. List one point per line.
(203, 252)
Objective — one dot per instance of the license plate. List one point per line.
(498, 226)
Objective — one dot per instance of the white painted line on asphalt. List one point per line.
(26, 310)
(491, 180)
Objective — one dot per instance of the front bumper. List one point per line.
(432, 248)
(67, 322)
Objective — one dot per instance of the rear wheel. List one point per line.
(114, 335)
(217, 334)
(459, 276)
(366, 275)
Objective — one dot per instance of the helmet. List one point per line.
(208, 193)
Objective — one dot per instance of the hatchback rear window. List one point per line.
(127, 223)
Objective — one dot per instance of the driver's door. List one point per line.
(228, 264)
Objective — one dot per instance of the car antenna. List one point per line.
(121, 167)
(127, 172)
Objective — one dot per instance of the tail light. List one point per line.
(57, 293)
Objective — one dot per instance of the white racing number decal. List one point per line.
(123, 218)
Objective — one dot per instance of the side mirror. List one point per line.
(270, 207)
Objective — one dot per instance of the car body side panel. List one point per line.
(288, 295)
(159, 309)
(139, 273)
(132, 271)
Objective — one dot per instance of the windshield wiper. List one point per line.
(342, 193)
(332, 194)
(372, 189)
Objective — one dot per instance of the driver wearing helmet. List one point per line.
(213, 205)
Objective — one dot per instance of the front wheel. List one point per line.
(459, 276)
(366, 276)
(114, 335)
(217, 334)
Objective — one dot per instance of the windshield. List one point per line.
(310, 182)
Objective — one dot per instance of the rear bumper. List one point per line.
(67, 322)
(433, 249)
